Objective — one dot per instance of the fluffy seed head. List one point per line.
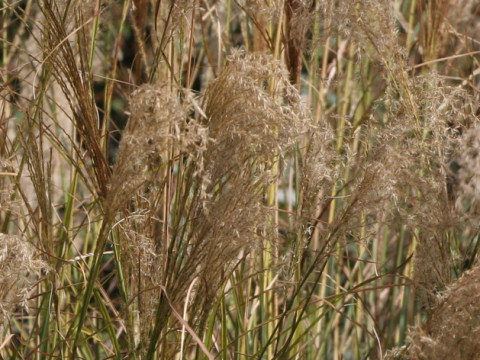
(18, 269)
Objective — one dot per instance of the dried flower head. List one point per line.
(416, 151)
(18, 270)
(452, 330)
(158, 124)
(254, 118)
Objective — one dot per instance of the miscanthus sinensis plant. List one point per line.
(283, 179)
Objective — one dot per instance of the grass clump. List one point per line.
(229, 179)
